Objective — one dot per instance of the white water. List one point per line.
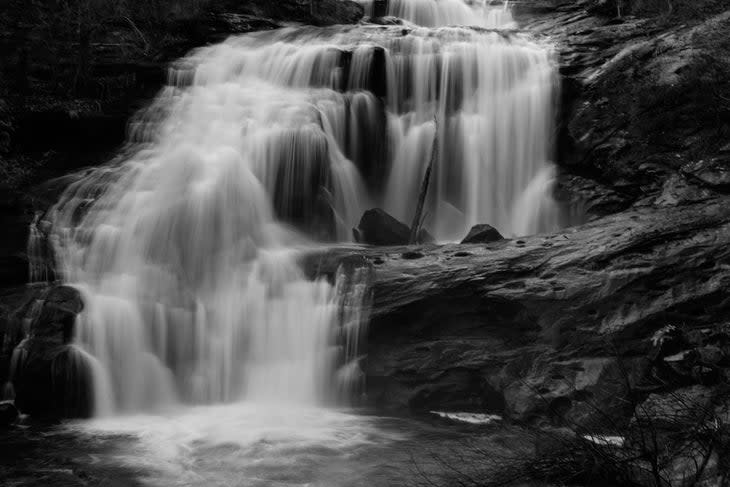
(437, 13)
(185, 247)
(248, 445)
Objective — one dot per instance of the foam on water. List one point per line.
(252, 444)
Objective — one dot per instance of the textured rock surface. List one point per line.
(377, 227)
(469, 326)
(482, 234)
(644, 96)
(51, 377)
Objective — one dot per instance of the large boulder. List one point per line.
(51, 377)
(378, 227)
(482, 234)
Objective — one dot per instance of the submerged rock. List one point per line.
(482, 233)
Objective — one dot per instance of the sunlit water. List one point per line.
(210, 348)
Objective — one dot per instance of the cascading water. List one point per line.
(182, 246)
(437, 13)
(185, 247)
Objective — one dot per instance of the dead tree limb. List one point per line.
(417, 218)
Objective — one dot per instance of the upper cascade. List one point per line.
(440, 13)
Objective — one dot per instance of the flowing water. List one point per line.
(211, 347)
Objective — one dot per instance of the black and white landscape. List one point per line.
(383, 243)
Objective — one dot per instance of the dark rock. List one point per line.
(440, 325)
(714, 172)
(482, 234)
(639, 97)
(54, 378)
(711, 355)
(8, 414)
(377, 227)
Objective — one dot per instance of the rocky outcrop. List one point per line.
(49, 376)
(522, 327)
(643, 96)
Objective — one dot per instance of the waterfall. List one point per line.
(437, 13)
(185, 246)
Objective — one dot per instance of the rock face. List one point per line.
(526, 326)
(482, 234)
(644, 97)
(50, 376)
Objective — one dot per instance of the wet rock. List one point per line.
(8, 414)
(54, 378)
(642, 97)
(482, 233)
(578, 391)
(377, 227)
(443, 325)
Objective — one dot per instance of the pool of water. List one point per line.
(257, 445)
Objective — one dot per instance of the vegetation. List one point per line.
(676, 432)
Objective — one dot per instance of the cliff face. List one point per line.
(645, 109)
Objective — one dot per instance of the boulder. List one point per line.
(377, 227)
(482, 234)
(53, 378)
(8, 414)
(686, 407)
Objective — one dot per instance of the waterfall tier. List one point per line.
(439, 13)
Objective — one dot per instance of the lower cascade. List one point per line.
(185, 246)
